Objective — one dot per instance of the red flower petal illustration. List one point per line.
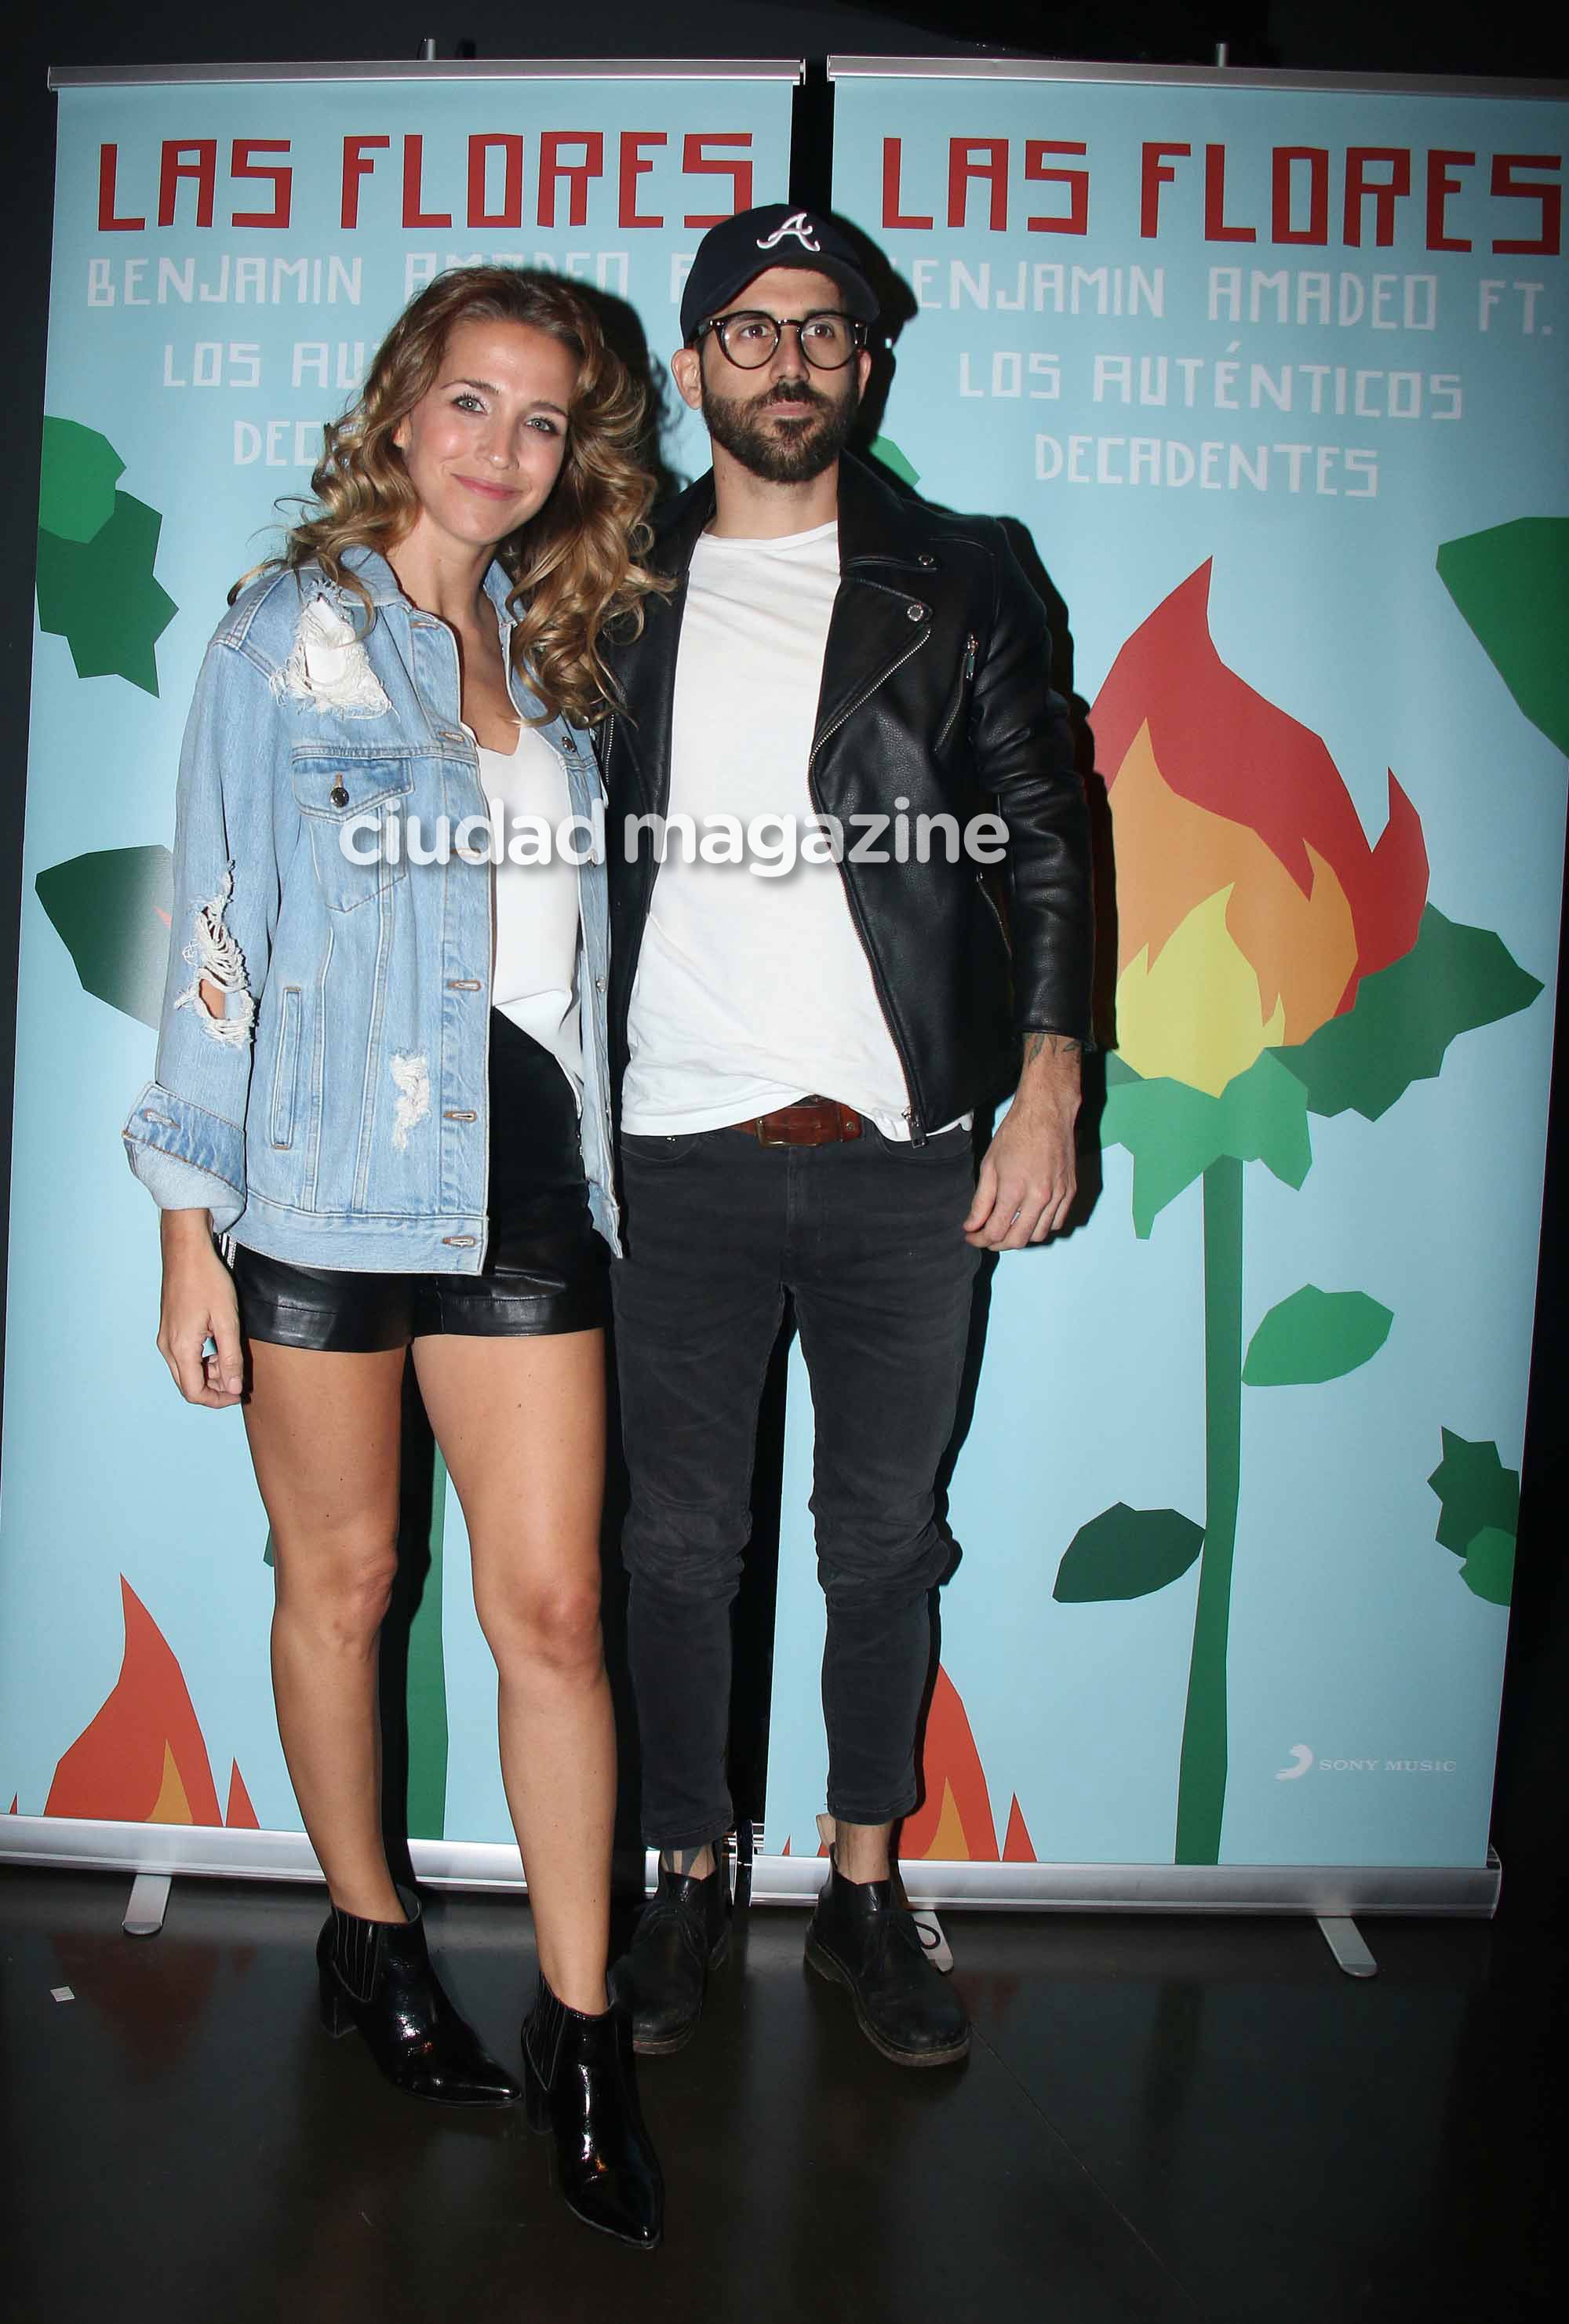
(1234, 830)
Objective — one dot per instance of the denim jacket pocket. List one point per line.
(285, 1073)
(350, 799)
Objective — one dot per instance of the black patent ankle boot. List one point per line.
(376, 1976)
(580, 2088)
(683, 1932)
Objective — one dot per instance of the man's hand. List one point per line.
(1030, 1175)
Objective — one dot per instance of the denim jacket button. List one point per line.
(338, 796)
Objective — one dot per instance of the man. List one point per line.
(798, 1059)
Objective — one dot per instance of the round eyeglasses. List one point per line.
(750, 339)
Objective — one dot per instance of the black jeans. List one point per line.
(866, 1237)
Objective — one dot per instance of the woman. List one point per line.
(385, 1083)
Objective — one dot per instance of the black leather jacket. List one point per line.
(937, 688)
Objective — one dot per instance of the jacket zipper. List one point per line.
(990, 903)
(972, 647)
(676, 612)
(911, 1111)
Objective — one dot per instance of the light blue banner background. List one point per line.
(106, 1472)
(1350, 1632)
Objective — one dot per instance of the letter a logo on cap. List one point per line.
(799, 225)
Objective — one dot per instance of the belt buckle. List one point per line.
(765, 1136)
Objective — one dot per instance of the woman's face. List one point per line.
(484, 447)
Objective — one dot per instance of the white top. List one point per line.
(753, 992)
(537, 927)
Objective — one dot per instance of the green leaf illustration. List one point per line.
(111, 911)
(1489, 1570)
(101, 597)
(1475, 1491)
(884, 448)
(1512, 587)
(80, 468)
(1126, 1554)
(1315, 1335)
(1173, 1132)
(1452, 981)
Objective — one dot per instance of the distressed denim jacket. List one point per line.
(337, 1114)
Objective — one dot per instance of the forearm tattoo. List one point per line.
(1056, 1045)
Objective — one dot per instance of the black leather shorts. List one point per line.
(544, 1264)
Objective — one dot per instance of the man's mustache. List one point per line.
(788, 392)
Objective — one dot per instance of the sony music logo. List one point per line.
(1302, 1758)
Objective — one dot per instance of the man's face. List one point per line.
(786, 422)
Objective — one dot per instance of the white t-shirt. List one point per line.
(752, 991)
(534, 979)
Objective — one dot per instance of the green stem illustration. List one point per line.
(1201, 1795)
(427, 1685)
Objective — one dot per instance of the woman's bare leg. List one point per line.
(324, 1430)
(520, 1424)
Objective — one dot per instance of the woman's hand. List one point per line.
(199, 1300)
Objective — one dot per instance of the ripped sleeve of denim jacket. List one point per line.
(185, 1135)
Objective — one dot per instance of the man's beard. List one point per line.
(802, 450)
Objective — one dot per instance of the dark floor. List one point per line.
(1161, 2118)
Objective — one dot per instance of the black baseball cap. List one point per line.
(735, 253)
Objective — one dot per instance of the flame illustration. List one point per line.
(143, 1758)
(953, 1821)
(1018, 1848)
(239, 1814)
(1250, 905)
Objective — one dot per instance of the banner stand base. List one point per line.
(1327, 1893)
(149, 1902)
(1347, 1943)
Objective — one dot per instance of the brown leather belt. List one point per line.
(810, 1121)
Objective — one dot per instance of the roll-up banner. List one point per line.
(229, 248)
(1268, 383)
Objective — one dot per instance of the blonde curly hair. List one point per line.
(575, 566)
